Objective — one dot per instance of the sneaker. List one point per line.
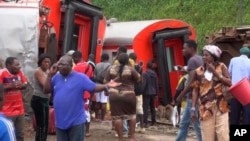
(124, 135)
(137, 130)
(140, 130)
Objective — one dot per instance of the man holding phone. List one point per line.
(68, 87)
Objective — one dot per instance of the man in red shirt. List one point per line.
(85, 68)
(13, 81)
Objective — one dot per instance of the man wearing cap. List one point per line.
(239, 68)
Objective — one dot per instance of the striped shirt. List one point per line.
(13, 102)
(7, 132)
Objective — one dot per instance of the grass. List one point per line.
(206, 16)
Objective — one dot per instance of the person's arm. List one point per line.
(195, 95)
(47, 86)
(39, 76)
(105, 87)
(194, 102)
(224, 77)
(20, 84)
(101, 87)
(230, 67)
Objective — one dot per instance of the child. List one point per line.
(87, 113)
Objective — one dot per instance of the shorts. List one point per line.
(101, 97)
(87, 113)
(139, 109)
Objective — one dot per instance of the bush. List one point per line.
(206, 16)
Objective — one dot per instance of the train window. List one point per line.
(75, 37)
(170, 58)
(113, 55)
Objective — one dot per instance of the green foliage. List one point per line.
(206, 16)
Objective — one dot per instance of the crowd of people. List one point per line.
(79, 88)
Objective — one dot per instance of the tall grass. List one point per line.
(206, 16)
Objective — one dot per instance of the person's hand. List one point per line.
(53, 69)
(210, 67)
(113, 84)
(17, 84)
(193, 116)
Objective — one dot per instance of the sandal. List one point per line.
(87, 135)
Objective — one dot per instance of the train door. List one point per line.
(173, 51)
(80, 34)
(167, 54)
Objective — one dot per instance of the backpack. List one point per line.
(101, 75)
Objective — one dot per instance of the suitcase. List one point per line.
(51, 127)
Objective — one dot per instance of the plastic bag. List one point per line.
(175, 116)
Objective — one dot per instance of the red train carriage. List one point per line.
(78, 24)
(158, 40)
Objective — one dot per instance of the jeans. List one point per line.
(40, 107)
(74, 133)
(185, 122)
(125, 127)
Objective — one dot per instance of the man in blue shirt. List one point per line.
(239, 68)
(67, 87)
(7, 132)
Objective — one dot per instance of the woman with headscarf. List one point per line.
(40, 100)
(208, 83)
(122, 98)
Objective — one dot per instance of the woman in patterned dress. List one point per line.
(122, 98)
(208, 86)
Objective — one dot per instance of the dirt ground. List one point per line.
(101, 131)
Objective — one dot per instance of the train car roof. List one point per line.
(126, 33)
(123, 33)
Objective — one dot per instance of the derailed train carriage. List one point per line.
(157, 40)
(79, 25)
(31, 27)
